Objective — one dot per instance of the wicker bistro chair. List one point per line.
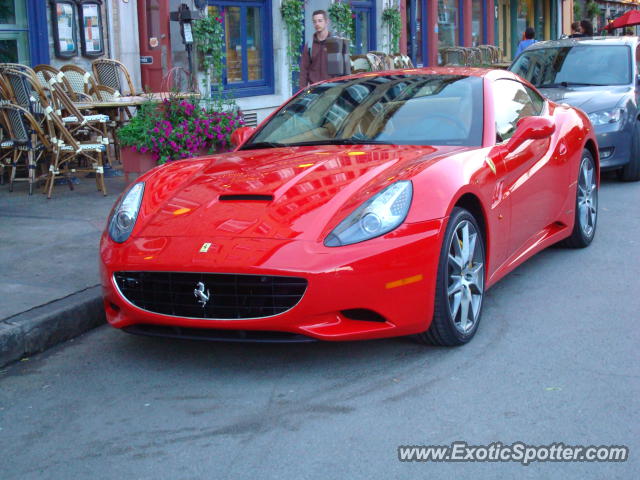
(84, 85)
(44, 73)
(474, 56)
(360, 64)
(27, 92)
(488, 56)
(110, 72)
(78, 82)
(387, 60)
(6, 147)
(75, 120)
(23, 134)
(454, 56)
(71, 155)
(401, 61)
(377, 63)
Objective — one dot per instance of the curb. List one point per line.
(42, 327)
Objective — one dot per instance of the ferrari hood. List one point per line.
(283, 193)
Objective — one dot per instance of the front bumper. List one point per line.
(614, 146)
(393, 276)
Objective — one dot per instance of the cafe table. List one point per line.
(120, 103)
(133, 100)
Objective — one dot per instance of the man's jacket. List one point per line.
(324, 59)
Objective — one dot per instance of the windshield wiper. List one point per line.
(569, 84)
(341, 141)
(257, 145)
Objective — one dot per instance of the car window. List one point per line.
(512, 101)
(391, 109)
(537, 99)
(578, 65)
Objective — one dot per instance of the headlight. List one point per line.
(380, 214)
(604, 117)
(124, 216)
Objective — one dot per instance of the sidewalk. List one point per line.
(49, 283)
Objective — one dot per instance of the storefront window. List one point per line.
(363, 27)
(362, 20)
(254, 43)
(448, 27)
(246, 33)
(476, 23)
(14, 35)
(522, 19)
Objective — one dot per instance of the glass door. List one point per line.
(14, 33)
(155, 42)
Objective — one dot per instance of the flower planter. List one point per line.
(135, 162)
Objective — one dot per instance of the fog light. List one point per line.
(606, 152)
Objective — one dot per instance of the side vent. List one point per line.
(250, 198)
(250, 119)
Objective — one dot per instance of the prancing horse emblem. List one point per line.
(202, 297)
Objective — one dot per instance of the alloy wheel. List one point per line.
(465, 275)
(587, 197)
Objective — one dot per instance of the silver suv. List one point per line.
(598, 75)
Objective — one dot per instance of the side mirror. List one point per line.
(531, 128)
(240, 135)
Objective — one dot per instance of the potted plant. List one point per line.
(176, 129)
(134, 139)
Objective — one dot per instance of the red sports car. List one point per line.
(368, 206)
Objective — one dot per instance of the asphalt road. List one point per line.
(555, 360)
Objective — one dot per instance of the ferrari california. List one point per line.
(368, 206)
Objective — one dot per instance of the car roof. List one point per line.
(464, 71)
(568, 42)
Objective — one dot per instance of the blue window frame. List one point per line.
(23, 32)
(249, 53)
(364, 25)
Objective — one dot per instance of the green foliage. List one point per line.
(136, 132)
(577, 11)
(292, 12)
(592, 9)
(391, 19)
(208, 36)
(341, 17)
(180, 128)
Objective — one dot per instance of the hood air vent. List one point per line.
(250, 198)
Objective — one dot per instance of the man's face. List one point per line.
(319, 23)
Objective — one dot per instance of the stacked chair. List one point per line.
(376, 61)
(480, 56)
(33, 123)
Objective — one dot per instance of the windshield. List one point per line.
(575, 65)
(391, 109)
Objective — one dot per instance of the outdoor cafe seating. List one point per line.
(57, 123)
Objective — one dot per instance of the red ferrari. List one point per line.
(368, 206)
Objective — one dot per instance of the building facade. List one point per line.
(142, 35)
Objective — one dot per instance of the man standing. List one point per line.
(328, 55)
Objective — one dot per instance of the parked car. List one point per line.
(375, 205)
(600, 76)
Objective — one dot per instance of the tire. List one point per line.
(586, 209)
(631, 171)
(460, 283)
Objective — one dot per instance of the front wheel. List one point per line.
(586, 209)
(631, 171)
(460, 283)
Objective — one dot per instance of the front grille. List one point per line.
(231, 296)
